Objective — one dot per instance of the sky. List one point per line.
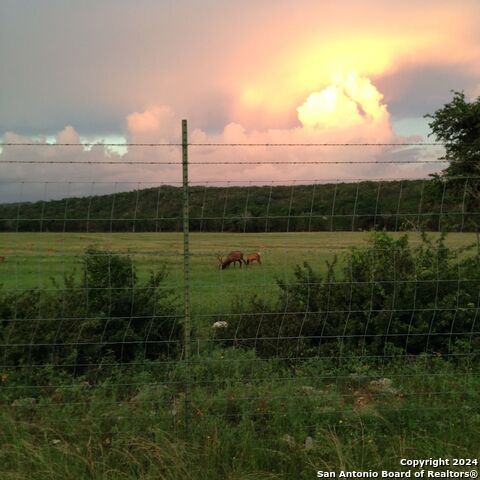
(299, 71)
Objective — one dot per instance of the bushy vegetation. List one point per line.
(332, 374)
(107, 316)
(389, 298)
(248, 418)
(367, 205)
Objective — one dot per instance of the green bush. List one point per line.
(108, 317)
(387, 299)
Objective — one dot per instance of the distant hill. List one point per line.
(390, 205)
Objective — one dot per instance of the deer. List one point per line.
(252, 257)
(2, 259)
(232, 257)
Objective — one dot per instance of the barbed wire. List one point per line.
(226, 144)
(254, 162)
(421, 321)
(298, 182)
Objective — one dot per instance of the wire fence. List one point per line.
(237, 301)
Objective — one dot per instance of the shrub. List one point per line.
(108, 317)
(386, 299)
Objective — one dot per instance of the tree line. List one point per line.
(448, 200)
(407, 205)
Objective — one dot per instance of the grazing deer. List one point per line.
(2, 259)
(252, 257)
(232, 257)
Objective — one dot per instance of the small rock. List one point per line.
(383, 385)
(307, 389)
(289, 440)
(219, 325)
(309, 444)
(24, 402)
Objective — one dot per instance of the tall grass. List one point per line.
(249, 418)
(229, 413)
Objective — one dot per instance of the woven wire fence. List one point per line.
(309, 301)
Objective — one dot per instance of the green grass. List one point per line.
(33, 259)
(250, 418)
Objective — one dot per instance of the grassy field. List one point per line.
(33, 259)
(267, 422)
(249, 417)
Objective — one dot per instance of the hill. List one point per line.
(390, 205)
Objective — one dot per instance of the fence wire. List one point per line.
(312, 301)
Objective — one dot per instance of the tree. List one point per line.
(457, 124)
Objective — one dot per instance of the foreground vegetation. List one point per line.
(249, 418)
(350, 364)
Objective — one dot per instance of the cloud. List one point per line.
(91, 65)
(348, 111)
(422, 89)
(348, 102)
(153, 124)
(385, 44)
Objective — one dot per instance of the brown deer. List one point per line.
(252, 257)
(232, 257)
(2, 259)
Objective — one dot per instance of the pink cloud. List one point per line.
(159, 124)
(153, 123)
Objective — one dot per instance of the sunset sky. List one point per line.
(269, 71)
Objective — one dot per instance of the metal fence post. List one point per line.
(186, 276)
